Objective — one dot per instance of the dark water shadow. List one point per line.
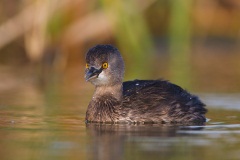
(109, 140)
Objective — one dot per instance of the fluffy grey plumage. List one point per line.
(138, 101)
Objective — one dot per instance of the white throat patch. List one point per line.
(102, 78)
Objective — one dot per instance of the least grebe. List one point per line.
(138, 101)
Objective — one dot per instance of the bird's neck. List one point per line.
(105, 104)
(115, 91)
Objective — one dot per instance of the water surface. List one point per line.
(50, 125)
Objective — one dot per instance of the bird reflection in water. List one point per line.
(110, 141)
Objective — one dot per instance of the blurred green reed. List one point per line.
(132, 37)
(180, 42)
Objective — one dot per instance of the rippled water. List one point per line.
(52, 127)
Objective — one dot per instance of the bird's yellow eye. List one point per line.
(87, 65)
(105, 65)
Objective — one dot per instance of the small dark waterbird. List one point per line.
(138, 101)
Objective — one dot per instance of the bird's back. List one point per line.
(160, 101)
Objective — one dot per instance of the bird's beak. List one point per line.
(92, 73)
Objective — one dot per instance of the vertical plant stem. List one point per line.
(180, 42)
